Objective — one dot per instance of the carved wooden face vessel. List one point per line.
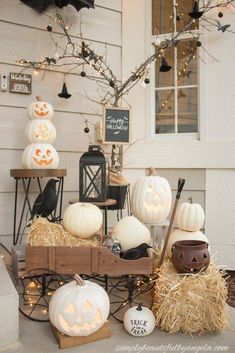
(190, 256)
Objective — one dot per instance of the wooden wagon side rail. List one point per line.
(84, 260)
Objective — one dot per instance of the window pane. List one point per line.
(187, 62)
(183, 9)
(165, 112)
(165, 79)
(162, 10)
(187, 110)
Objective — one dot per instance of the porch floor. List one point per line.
(38, 338)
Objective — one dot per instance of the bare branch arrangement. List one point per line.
(77, 53)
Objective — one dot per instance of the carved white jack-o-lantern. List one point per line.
(40, 131)
(79, 308)
(151, 199)
(40, 156)
(40, 110)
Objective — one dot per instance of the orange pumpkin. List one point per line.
(40, 110)
(38, 131)
(40, 156)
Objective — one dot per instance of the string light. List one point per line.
(31, 284)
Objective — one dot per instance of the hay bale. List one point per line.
(193, 303)
(44, 233)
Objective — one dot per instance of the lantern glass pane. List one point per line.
(92, 181)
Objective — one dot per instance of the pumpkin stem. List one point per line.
(139, 308)
(79, 280)
(152, 171)
(190, 199)
(39, 98)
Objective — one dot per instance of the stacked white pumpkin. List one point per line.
(189, 220)
(41, 133)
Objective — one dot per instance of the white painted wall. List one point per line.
(23, 34)
(211, 158)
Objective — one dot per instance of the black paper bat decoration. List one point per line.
(41, 5)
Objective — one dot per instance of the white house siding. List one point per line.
(23, 34)
(208, 164)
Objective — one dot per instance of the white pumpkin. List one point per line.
(179, 235)
(190, 216)
(79, 308)
(131, 232)
(40, 131)
(82, 219)
(151, 199)
(139, 321)
(40, 156)
(40, 110)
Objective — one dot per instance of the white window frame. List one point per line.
(150, 98)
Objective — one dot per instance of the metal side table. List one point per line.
(25, 176)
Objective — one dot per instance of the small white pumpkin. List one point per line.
(190, 216)
(40, 156)
(82, 219)
(151, 199)
(79, 308)
(40, 131)
(131, 233)
(180, 234)
(139, 321)
(40, 110)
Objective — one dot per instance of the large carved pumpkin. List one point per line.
(131, 233)
(179, 235)
(79, 308)
(39, 131)
(151, 199)
(190, 216)
(40, 110)
(82, 219)
(40, 156)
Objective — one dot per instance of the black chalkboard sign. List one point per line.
(116, 125)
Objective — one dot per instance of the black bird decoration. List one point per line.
(46, 201)
(64, 93)
(41, 5)
(195, 13)
(221, 27)
(136, 253)
(165, 67)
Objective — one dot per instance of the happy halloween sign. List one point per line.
(20, 83)
(116, 126)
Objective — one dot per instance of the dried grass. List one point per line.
(194, 304)
(44, 233)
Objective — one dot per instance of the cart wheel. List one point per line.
(125, 292)
(35, 290)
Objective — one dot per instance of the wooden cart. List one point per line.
(84, 260)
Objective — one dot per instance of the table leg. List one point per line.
(105, 220)
(61, 196)
(15, 239)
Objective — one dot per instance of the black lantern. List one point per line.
(92, 175)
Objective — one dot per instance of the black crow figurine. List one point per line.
(136, 253)
(46, 201)
(41, 5)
